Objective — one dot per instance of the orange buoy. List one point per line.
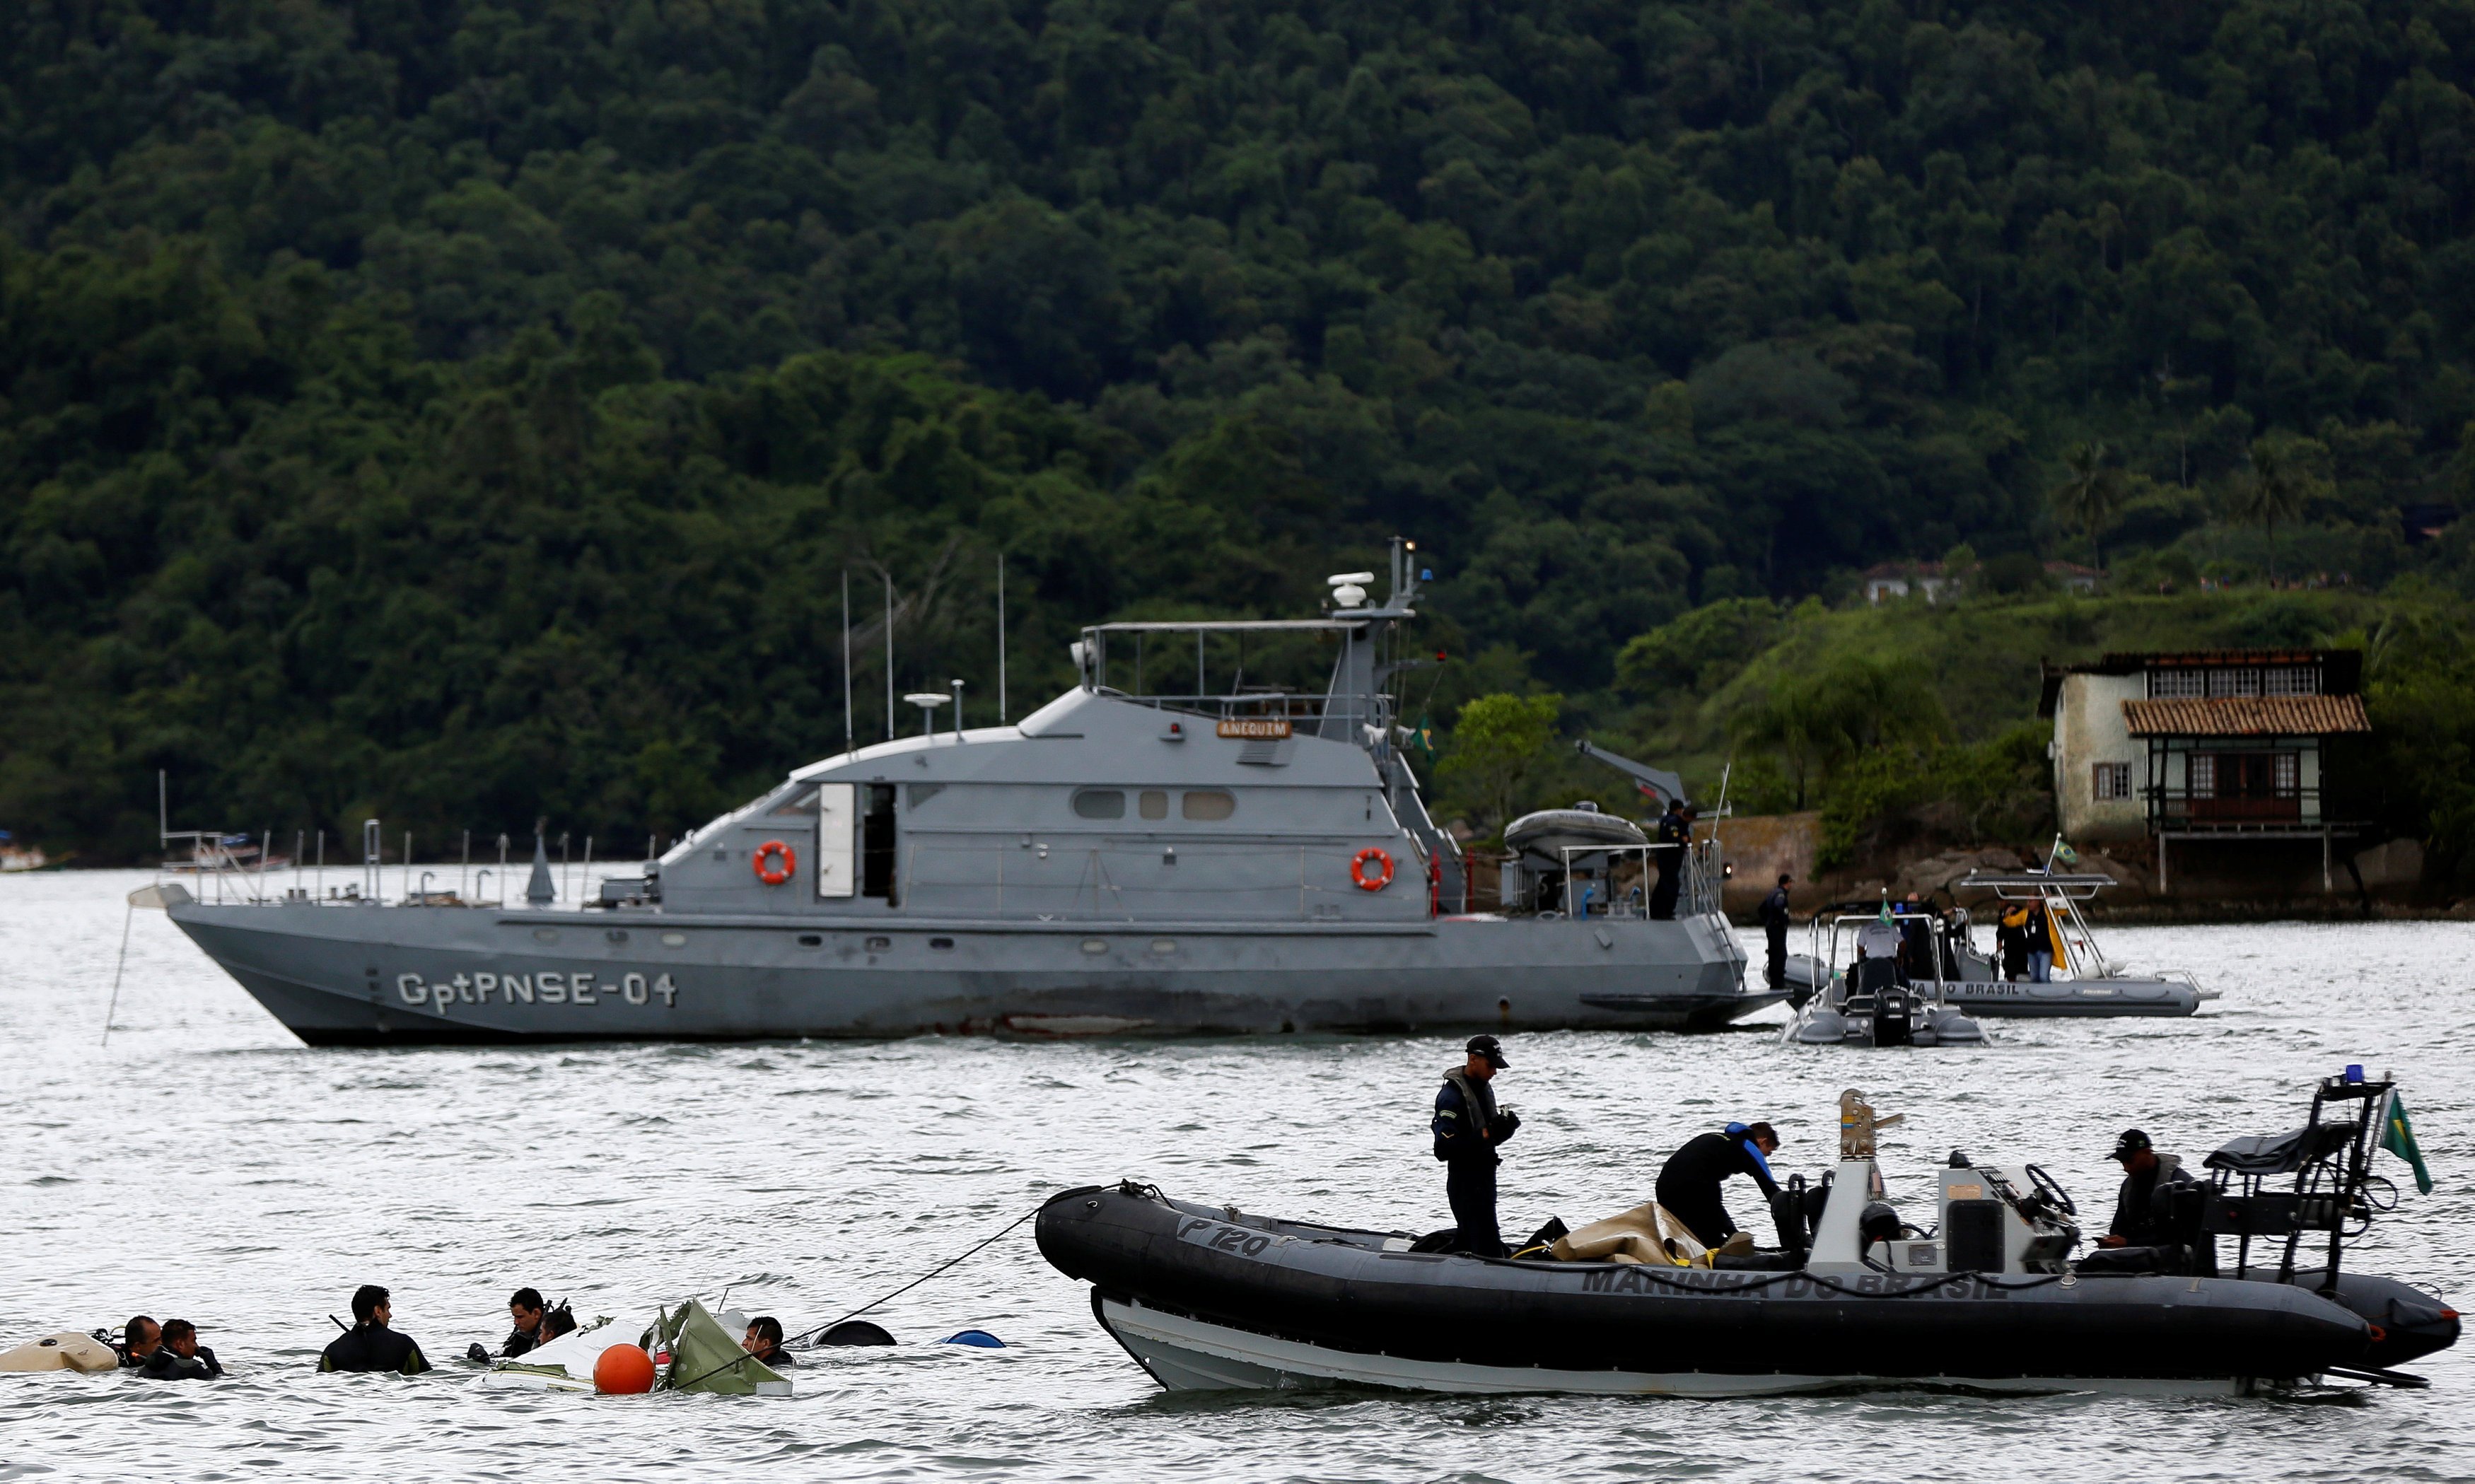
(624, 1371)
(1378, 878)
(775, 861)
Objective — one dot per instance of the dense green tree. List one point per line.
(466, 410)
(1497, 742)
(2091, 493)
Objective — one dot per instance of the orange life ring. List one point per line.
(1357, 869)
(773, 874)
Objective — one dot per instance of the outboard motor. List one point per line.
(1788, 1215)
(1878, 1222)
(1879, 994)
(1891, 1026)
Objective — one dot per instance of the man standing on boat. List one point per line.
(1467, 1128)
(1774, 932)
(1673, 834)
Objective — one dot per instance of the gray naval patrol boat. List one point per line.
(1116, 863)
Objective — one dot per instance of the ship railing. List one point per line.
(216, 870)
(1292, 712)
(1697, 887)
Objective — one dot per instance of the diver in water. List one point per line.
(1688, 1184)
(179, 1357)
(525, 1310)
(764, 1340)
(370, 1345)
(138, 1339)
(1467, 1129)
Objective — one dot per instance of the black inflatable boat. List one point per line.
(1211, 1297)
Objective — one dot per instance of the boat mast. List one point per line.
(850, 743)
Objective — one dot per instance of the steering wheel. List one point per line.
(2055, 1196)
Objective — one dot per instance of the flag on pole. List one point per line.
(2398, 1137)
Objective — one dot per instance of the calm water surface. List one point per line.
(207, 1166)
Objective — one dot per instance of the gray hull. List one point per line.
(396, 975)
(2056, 999)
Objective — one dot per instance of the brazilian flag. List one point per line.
(2398, 1137)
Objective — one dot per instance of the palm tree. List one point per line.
(2273, 490)
(2092, 494)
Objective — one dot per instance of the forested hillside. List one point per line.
(464, 412)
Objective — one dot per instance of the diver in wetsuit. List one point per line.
(370, 1345)
(138, 1341)
(179, 1357)
(1688, 1184)
(525, 1310)
(764, 1340)
(1467, 1129)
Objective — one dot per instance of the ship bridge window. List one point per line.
(1101, 803)
(803, 802)
(1153, 803)
(1209, 804)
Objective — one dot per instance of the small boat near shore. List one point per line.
(2091, 984)
(1885, 996)
(1984, 1299)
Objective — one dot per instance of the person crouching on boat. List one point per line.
(1468, 1128)
(1688, 1184)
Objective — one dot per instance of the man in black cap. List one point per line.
(1774, 932)
(1467, 1128)
(2144, 1235)
(1672, 836)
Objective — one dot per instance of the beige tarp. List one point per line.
(1646, 1233)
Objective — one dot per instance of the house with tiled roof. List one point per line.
(2206, 753)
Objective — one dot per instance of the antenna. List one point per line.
(1001, 675)
(927, 701)
(888, 655)
(957, 684)
(849, 742)
(162, 810)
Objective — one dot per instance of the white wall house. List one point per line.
(2223, 747)
(2098, 767)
